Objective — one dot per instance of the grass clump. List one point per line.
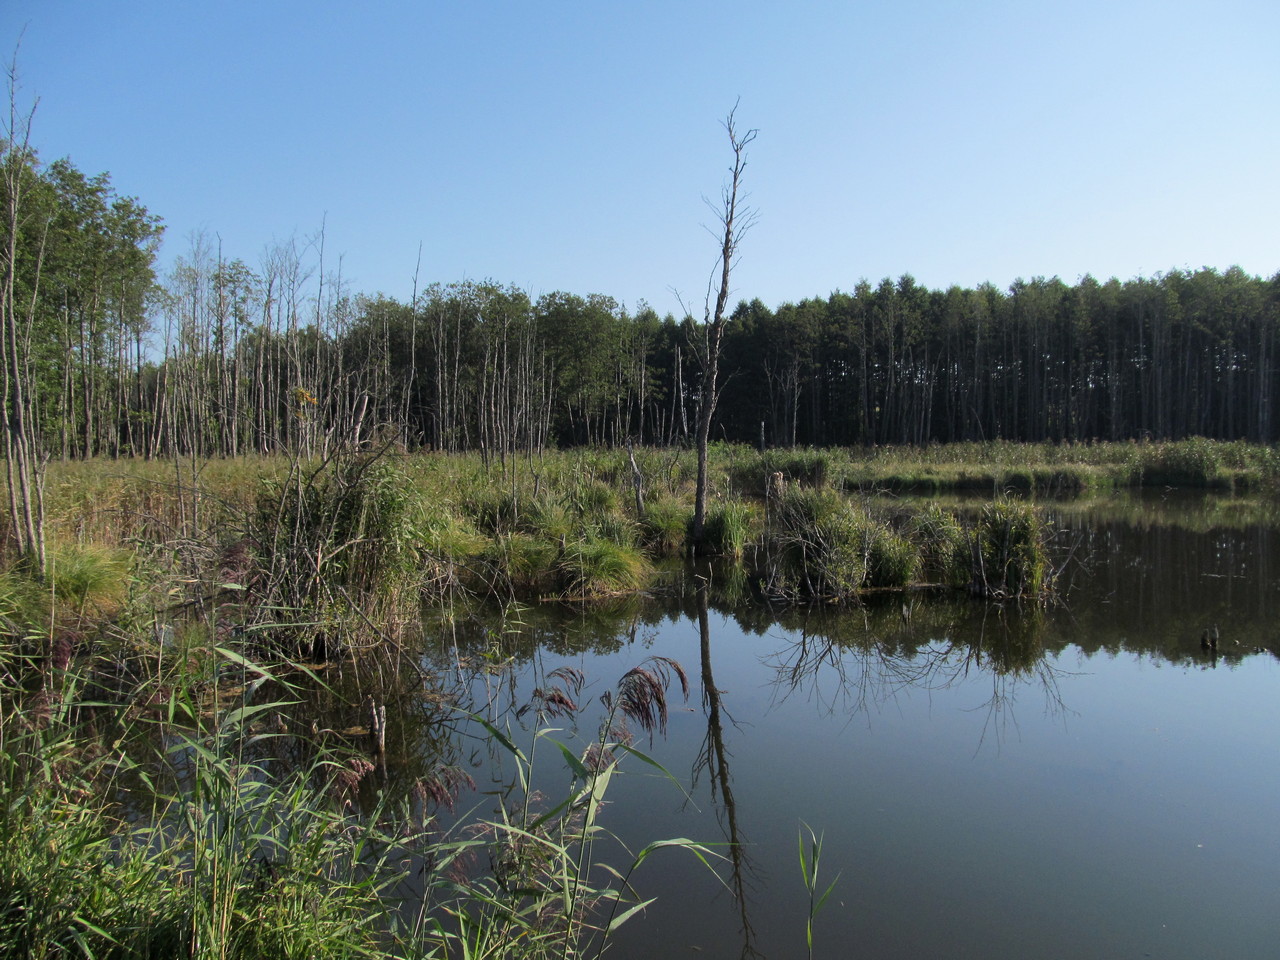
(1185, 463)
(90, 577)
(730, 525)
(892, 559)
(345, 537)
(1008, 553)
(944, 545)
(665, 525)
(595, 567)
(814, 547)
(523, 563)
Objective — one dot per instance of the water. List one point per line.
(1079, 782)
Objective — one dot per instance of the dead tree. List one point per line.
(734, 224)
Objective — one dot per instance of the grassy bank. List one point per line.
(339, 556)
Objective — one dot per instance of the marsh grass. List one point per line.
(221, 848)
(561, 884)
(1008, 558)
(814, 547)
(221, 856)
(665, 525)
(730, 526)
(325, 548)
(597, 567)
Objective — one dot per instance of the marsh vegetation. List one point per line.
(197, 692)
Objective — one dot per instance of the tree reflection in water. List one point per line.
(853, 662)
(713, 759)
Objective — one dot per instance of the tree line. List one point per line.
(222, 357)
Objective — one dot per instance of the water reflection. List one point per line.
(713, 760)
(850, 664)
(1008, 746)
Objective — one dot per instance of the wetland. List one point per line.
(387, 761)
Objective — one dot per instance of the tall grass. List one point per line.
(220, 856)
(221, 848)
(730, 526)
(1008, 556)
(549, 892)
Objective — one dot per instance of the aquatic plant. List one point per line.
(892, 559)
(234, 856)
(943, 545)
(729, 528)
(343, 536)
(810, 861)
(1195, 462)
(814, 546)
(1008, 554)
(595, 567)
(665, 525)
(549, 894)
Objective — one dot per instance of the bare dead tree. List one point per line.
(734, 223)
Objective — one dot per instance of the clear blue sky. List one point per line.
(570, 146)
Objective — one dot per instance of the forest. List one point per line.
(219, 356)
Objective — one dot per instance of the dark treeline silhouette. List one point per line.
(221, 357)
(482, 366)
(1184, 353)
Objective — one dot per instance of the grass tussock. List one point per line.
(597, 567)
(730, 527)
(665, 525)
(1008, 557)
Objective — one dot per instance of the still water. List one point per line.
(1082, 781)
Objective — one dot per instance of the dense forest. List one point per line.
(221, 357)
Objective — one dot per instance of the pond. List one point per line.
(1081, 781)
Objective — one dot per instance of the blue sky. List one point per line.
(570, 146)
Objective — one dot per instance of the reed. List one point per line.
(550, 893)
(223, 855)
